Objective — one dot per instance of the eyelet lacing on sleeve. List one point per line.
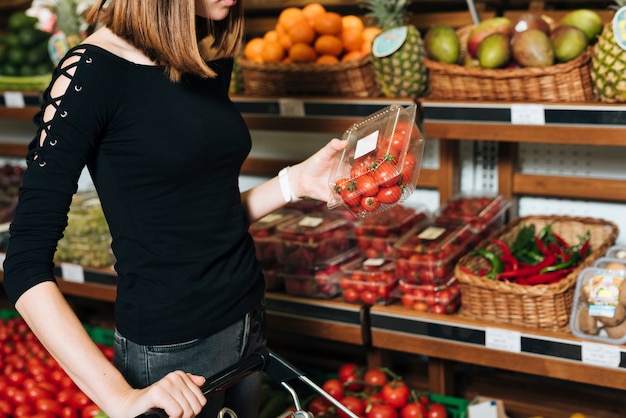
(62, 86)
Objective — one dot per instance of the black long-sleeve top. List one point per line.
(165, 160)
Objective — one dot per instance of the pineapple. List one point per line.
(68, 21)
(398, 72)
(608, 65)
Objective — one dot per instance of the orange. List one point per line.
(272, 51)
(301, 32)
(290, 16)
(285, 41)
(327, 59)
(328, 23)
(353, 55)
(302, 52)
(271, 35)
(253, 48)
(352, 22)
(352, 39)
(369, 34)
(312, 10)
(328, 45)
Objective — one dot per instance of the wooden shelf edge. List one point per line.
(569, 187)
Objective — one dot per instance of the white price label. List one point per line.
(14, 99)
(528, 114)
(72, 272)
(311, 221)
(505, 340)
(366, 145)
(291, 107)
(601, 354)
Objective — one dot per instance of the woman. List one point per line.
(137, 104)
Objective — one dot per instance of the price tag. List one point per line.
(14, 99)
(601, 354)
(505, 340)
(366, 145)
(528, 114)
(72, 272)
(291, 107)
(311, 221)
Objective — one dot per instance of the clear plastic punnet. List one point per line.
(380, 166)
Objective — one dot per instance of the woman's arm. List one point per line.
(53, 321)
(306, 179)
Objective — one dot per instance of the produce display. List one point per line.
(599, 311)
(398, 53)
(380, 166)
(31, 381)
(312, 34)
(368, 281)
(24, 48)
(443, 298)
(534, 257)
(532, 40)
(609, 58)
(10, 181)
(86, 239)
(429, 252)
(380, 392)
(264, 234)
(377, 234)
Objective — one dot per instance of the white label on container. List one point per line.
(432, 233)
(502, 339)
(291, 107)
(14, 99)
(72, 272)
(601, 354)
(366, 145)
(311, 221)
(528, 114)
(272, 217)
(373, 262)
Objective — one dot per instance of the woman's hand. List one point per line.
(310, 177)
(178, 394)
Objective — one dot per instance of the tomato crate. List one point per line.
(485, 214)
(429, 251)
(442, 298)
(310, 240)
(456, 407)
(6, 314)
(99, 335)
(369, 281)
(318, 282)
(264, 233)
(376, 235)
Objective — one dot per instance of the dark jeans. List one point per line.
(143, 365)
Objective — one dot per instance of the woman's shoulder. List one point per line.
(106, 43)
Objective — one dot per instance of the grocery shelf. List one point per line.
(555, 354)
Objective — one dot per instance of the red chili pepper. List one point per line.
(509, 261)
(528, 271)
(542, 247)
(560, 240)
(544, 278)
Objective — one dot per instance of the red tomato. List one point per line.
(69, 412)
(49, 405)
(366, 185)
(382, 411)
(437, 410)
(351, 295)
(90, 411)
(334, 388)
(396, 393)
(23, 410)
(386, 174)
(318, 406)
(350, 373)
(5, 407)
(413, 410)
(354, 404)
(370, 204)
(375, 377)
(408, 168)
(79, 400)
(362, 165)
(389, 194)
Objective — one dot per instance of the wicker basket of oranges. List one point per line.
(310, 51)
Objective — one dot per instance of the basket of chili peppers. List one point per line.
(525, 274)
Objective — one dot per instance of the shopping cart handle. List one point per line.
(257, 361)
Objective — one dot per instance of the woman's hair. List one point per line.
(170, 33)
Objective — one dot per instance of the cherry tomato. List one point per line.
(382, 411)
(413, 410)
(437, 410)
(366, 185)
(386, 174)
(90, 411)
(350, 373)
(396, 393)
(354, 404)
(334, 388)
(375, 377)
(370, 204)
(49, 405)
(69, 412)
(318, 406)
(369, 297)
(408, 168)
(389, 194)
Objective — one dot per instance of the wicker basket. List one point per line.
(353, 78)
(539, 306)
(566, 82)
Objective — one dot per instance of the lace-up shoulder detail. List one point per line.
(62, 86)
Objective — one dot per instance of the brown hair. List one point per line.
(170, 33)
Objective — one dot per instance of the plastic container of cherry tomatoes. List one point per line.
(485, 214)
(264, 234)
(443, 298)
(377, 234)
(317, 282)
(368, 281)
(312, 240)
(380, 166)
(429, 252)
